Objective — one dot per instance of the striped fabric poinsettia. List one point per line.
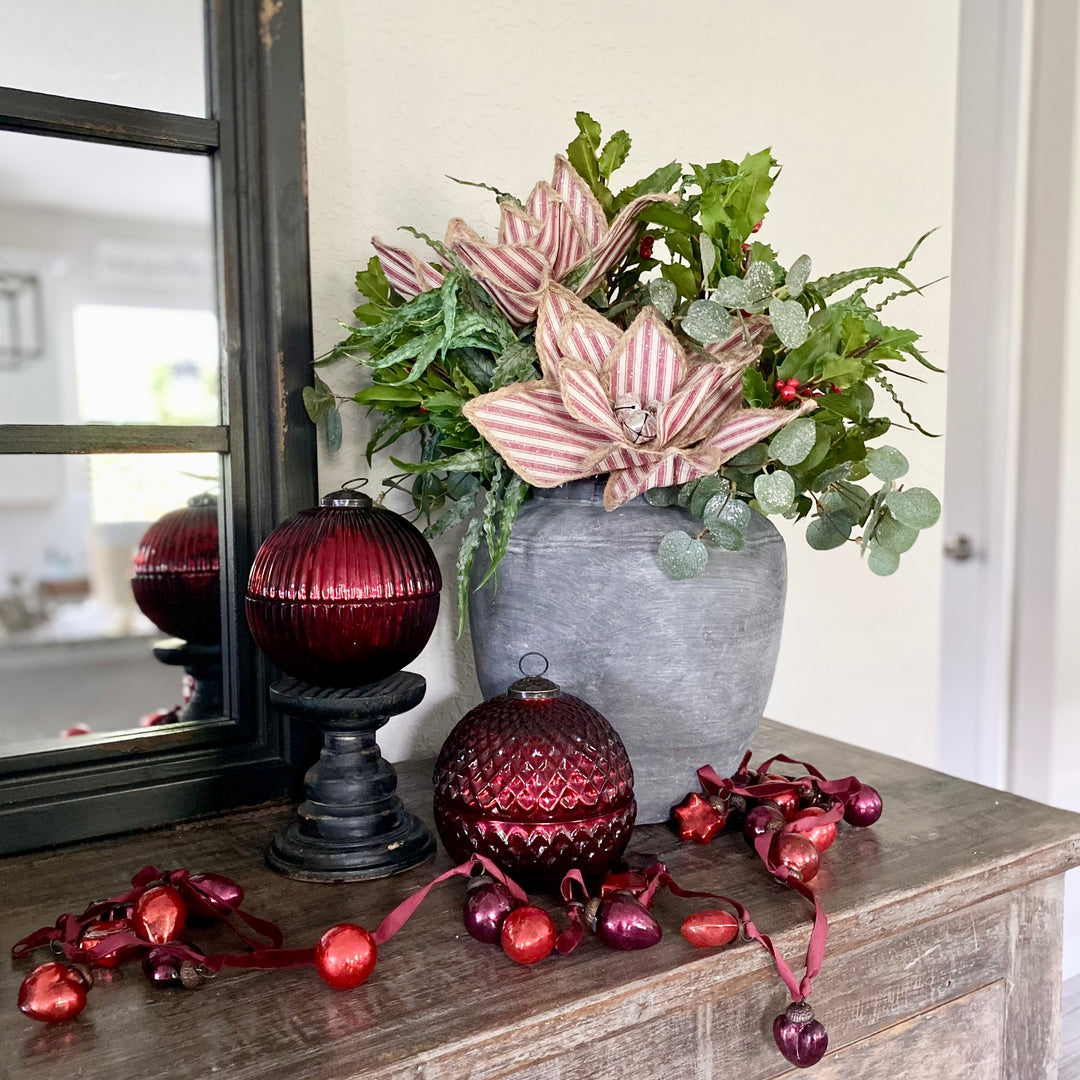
(632, 403)
(561, 228)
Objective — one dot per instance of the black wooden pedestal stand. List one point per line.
(351, 824)
(203, 664)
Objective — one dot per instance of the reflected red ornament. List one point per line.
(177, 582)
(485, 909)
(159, 914)
(707, 929)
(796, 853)
(821, 836)
(53, 992)
(345, 956)
(799, 1037)
(698, 819)
(76, 729)
(863, 807)
(539, 782)
(528, 935)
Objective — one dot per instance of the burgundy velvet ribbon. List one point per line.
(571, 937)
(404, 911)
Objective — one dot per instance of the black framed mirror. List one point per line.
(158, 356)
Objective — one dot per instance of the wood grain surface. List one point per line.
(941, 927)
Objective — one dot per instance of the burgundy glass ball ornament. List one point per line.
(863, 807)
(539, 782)
(343, 594)
(622, 922)
(176, 579)
(799, 1037)
(487, 903)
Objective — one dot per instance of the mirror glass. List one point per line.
(124, 52)
(110, 614)
(107, 290)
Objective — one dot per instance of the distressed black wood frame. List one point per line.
(254, 140)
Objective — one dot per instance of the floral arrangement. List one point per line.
(648, 335)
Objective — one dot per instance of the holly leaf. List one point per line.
(615, 152)
(682, 277)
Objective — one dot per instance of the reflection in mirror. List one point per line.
(125, 52)
(101, 556)
(107, 288)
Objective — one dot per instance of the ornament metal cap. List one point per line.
(207, 498)
(346, 496)
(534, 687)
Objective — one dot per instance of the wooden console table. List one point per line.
(944, 959)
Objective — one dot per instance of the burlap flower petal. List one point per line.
(744, 346)
(627, 484)
(408, 274)
(741, 430)
(567, 182)
(701, 394)
(586, 400)
(531, 429)
(648, 363)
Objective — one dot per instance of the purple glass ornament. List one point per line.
(486, 907)
(163, 966)
(343, 594)
(623, 922)
(217, 895)
(176, 582)
(799, 1037)
(765, 817)
(863, 808)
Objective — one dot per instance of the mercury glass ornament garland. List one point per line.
(783, 819)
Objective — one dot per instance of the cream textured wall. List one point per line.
(857, 100)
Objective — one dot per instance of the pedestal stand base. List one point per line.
(351, 825)
(202, 664)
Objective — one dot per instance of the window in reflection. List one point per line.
(101, 558)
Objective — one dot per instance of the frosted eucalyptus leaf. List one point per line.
(789, 322)
(662, 496)
(662, 296)
(731, 292)
(759, 283)
(915, 507)
(686, 493)
(792, 443)
(726, 509)
(727, 536)
(886, 463)
(798, 276)
(708, 257)
(708, 487)
(707, 322)
(774, 492)
(829, 531)
(882, 561)
(893, 535)
(832, 476)
(681, 556)
(752, 456)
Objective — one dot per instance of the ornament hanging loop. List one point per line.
(533, 674)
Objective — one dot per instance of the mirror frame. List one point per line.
(254, 139)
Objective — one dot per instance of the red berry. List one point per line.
(780, 384)
(789, 393)
(757, 226)
(646, 246)
(793, 383)
(834, 389)
(746, 247)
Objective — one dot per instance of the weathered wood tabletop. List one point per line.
(943, 961)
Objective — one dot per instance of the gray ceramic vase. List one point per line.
(682, 669)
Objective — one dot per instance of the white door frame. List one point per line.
(1014, 137)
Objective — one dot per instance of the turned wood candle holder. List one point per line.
(202, 663)
(351, 825)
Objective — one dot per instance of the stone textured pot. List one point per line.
(682, 669)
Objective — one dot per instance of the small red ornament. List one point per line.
(863, 808)
(345, 956)
(765, 817)
(528, 935)
(343, 594)
(53, 992)
(159, 914)
(538, 782)
(799, 1037)
(710, 928)
(698, 819)
(96, 932)
(215, 896)
(177, 580)
(821, 836)
(796, 853)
